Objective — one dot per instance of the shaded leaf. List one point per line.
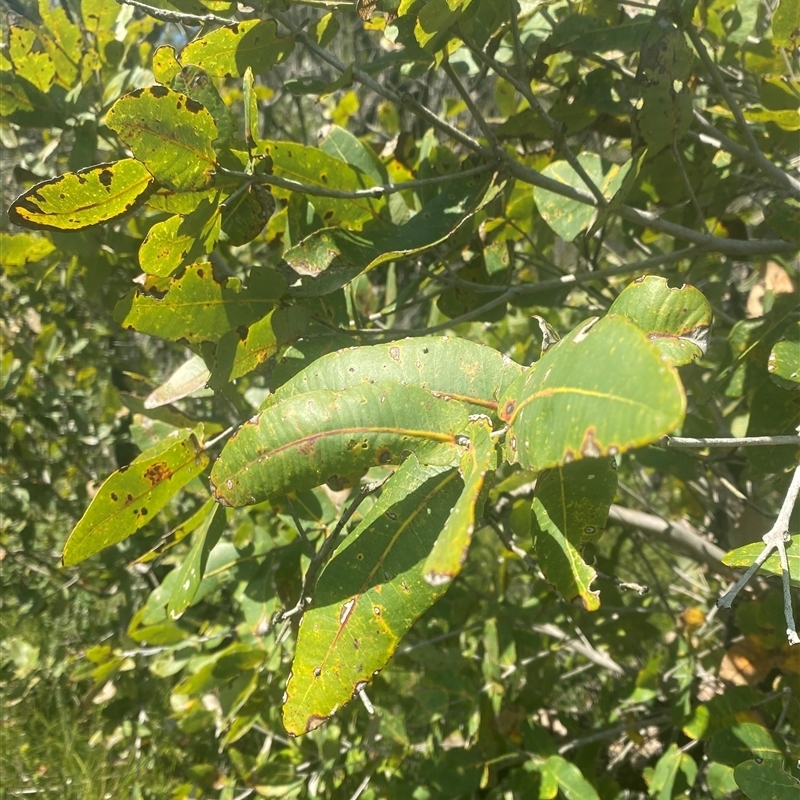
(245, 216)
(131, 496)
(188, 378)
(561, 563)
(784, 360)
(322, 436)
(228, 52)
(82, 199)
(458, 368)
(568, 778)
(191, 571)
(600, 391)
(199, 308)
(170, 133)
(774, 411)
(765, 780)
(743, 557)
(452, 545)
(677, 321)
(369, 595)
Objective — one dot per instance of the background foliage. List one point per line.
(571, 149)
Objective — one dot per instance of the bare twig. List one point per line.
(775, 539)
(486, 129)
(167, 15)
(683, 442)
(580, 646)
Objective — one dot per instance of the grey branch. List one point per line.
(167, 15)
(683, 442)
(775, 539)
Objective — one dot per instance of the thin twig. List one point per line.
(486, 129)
(734, 441)
(775, 539)
(301, 531)
(582, 647)
(167, 15)
(688, 184)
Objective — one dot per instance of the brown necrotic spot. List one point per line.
(508, 409)
(159, 91)
(128, 498)
(158, 472)
(317, 672)
(193, 106)
(394, 353)
(314, 721)
(114, 497)
(356, 644)
(383, 456)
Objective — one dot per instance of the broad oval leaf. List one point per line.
(131, 496)
(369, 595)
(760, 780)
(743, 557)
(600, 391)
(83, 199)
(313, 438)
(452, 545)
(170, 133)
(784, 360)
(188, 378)
(677, 321)
(227, 52)
(471, 373)
(199, 308)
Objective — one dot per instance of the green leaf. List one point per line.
(228, 52)
(188, 378)
(245, 216)
(170, 133)
(663, 115)
(331, 257)
(774, 411)
(132, 496)
(569, 217)
(369, 595)
(82, 199)
(568, 778)
(786, 24)
(20, 249)
(561, 563)
(242, 350)
(677, 321)
(784, 360)
(194, 82)
(577, 497)
(742, 741)
(674, 766)
(191, 571)
(312, 438)
(458, 368)
(600, 391)
(743, 557)
(341, 144)
(452, 545)
(166, 66)
(180, 240)
(198, 307)
(766, 780)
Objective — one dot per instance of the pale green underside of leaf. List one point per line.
(131, 496)
(170, 133)
(458, 368)
(743, 557)
(369, 595)
(187, 378)
(78, 200)
(309, 439)
(601, 390)
(784, 359)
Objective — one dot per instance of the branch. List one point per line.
(167, 15)
(741, 441)
(486, 129)
(763, 162)
(583, 648)
(775, 539)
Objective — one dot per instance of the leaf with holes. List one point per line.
(331, 257)
(131, 496)
(677, 321)
(561, 563)
(577, 497)
(171, 134)
(369, 595)
(457, 368)
(452, 545)
(82, 199)
(198, 307)
(227, 52)
(322, 436)
(602, 390)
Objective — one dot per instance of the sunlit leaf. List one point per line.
(369, 595)
(188, 378)
(600, 391)
(133, 495)
(78, 200)
(784, 360)
(320, 436)
(743, 557)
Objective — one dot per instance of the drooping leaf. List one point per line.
(228, 52)
(677, 321)
(577, 497)
(194, 82)
(569, 217)
(568, 778)
(673, 775)
(170, 133)
(188, 378)
(198, 307)
(331, 257)
(452, 545)
(765, 780)
(369, 595)
(560, 561)
(180, 240)
(600, 391)
(131, 496)
(191, 571)
(784, 360)
(312, 438)
(458, 368)
(245, 216)
(743, 557)
(82, 199)
(242, 350)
